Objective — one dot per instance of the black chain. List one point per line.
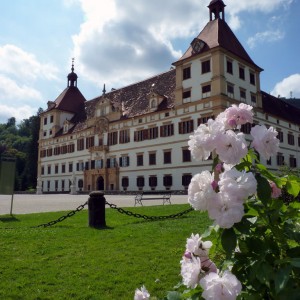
(62, 218)
(145, 217)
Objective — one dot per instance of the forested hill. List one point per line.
(21, 141)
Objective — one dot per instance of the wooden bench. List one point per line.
(153, 195)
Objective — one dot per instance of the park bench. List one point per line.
(153, 195)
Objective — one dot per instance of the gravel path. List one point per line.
(25, 204)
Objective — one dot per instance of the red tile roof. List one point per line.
(70, 100)
(280, 108)
(217, 33)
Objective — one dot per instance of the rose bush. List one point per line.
(255, 233)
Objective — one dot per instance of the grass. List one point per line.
(73, 261)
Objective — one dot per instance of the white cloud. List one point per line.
(10, 90)
(23, 112)
(122, 41)
(127, 40)
(266, 36)
(23, 65)
(287, 86)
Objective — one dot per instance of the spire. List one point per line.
(104, 90)
(72, 77)
(216, 8)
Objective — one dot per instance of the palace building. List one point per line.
(135, 138)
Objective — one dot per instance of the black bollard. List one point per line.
(96, 206)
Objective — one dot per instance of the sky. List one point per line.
(120, 42)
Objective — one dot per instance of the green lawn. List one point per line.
(72, 261)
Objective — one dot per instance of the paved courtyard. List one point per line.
(25, 204)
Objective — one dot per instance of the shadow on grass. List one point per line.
(8, 219)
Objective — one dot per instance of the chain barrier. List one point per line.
(145, 217)
(62, 218)
(115, 207)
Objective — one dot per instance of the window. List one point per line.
(57, 150)
(124, 161)
(56, 169)
(56, 185)
(125, 182)
(140, 181)
(62, 185)
(269, 161)
(111, 162)
(168, 181)
(186, 96)
(71, 148)
(63, 149)
(246, 128)
(152, 158)
(204, 120)
(280, 135)
(45, 121)
(112, 138)
(206, 91)
(49, 152)
(153, 133)
(43, 153)
(63, 168)
(42, 170)
(140, 160)
(242, 73)
(80, 166)
(298, 141)
(49, 169)
(291, 139)
(48, 185)
(146, 134)
(51, 119)
(80, 144)
(99, 164)
(87, 165)
(230, 90)
(124, 136)
(186, 126)
(252, 78)
(166, 130)
(90, 142)
(167, 157)
(243, 94)
(93, 164)
(205, 66)
(280, 159)
(45, 133)
(293, 162)
(229, 67)
(186, 155)
(152, 181)
(186, 73)
(253, 98)
(186, 179)
(70, 167)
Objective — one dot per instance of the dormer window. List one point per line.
(153, 103)
(154, 100)
(66, 126)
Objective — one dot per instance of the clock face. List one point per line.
(197, 45)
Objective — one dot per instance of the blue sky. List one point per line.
(118, 42)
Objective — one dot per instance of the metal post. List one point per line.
(96, 207)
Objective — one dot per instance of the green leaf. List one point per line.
(281, 278)
(228, 240)
(265, 273)
(295, 262)
(293, 187)
(174, 296)
(263, 189)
